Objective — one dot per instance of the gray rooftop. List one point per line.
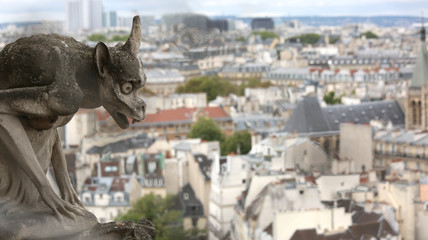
(405, 137)
(159, 75)
(420, 74)
(309, 117)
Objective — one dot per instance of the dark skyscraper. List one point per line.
(221, 25)
(262, 23)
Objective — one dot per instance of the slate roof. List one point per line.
(365, 112)
(309, 117)
(408, 137)
(140, 141)
(246, 68)
(420, 73)
(189, 203)
(110, 186)
(371, 230)
(256, 122)
(305, 234)
(377, 230)
(204, 165)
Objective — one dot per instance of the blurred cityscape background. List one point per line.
(259, 126)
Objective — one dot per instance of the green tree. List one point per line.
(205, 128)
(309, 38)
(241, 140)
(119, 38)
(158, 210)
(330, 98)
(253, 83)
(213, 86)
(334, 40)
(97, 38)
(369, 34)
(265, 34)
(240, 39)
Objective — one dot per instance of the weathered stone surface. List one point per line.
(44, 80)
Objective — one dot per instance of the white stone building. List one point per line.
(229, 176)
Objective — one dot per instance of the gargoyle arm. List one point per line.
(25, 102)
(61, 174)
(20, 152)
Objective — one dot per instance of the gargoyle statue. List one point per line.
(44, 80)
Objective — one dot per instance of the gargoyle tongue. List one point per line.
(121, 120)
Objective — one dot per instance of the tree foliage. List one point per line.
(253, 83)
(309, 38)
(265, 34)
(119, 38)
(241, 140)
(330, 98)
(213, 86)
(369, 34)
(168, 223)
(240, 39)
(205, 128)
(96, 37)
(334, 40)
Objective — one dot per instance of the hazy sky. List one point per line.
(24, 10)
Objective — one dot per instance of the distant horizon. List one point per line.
(16, 11)
(239, 17)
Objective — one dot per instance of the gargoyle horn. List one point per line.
(134, 41)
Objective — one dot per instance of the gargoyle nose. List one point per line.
(143, 106)
(144, 79)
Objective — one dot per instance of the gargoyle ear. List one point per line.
(102, 58)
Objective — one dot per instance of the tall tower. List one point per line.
(95, 14)
(417, 95)
(74, 10)
(84, 14)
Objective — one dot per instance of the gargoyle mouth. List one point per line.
(121, 120)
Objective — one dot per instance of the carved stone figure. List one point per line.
(44, 80)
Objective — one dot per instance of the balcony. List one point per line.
(399, 154)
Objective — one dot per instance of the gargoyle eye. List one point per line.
(126, 87)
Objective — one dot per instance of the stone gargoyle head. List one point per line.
(120, 76)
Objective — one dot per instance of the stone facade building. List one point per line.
(416, 109)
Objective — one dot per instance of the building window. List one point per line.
(152, 167)
(420, 152)
(380, 148)
(419, 166)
